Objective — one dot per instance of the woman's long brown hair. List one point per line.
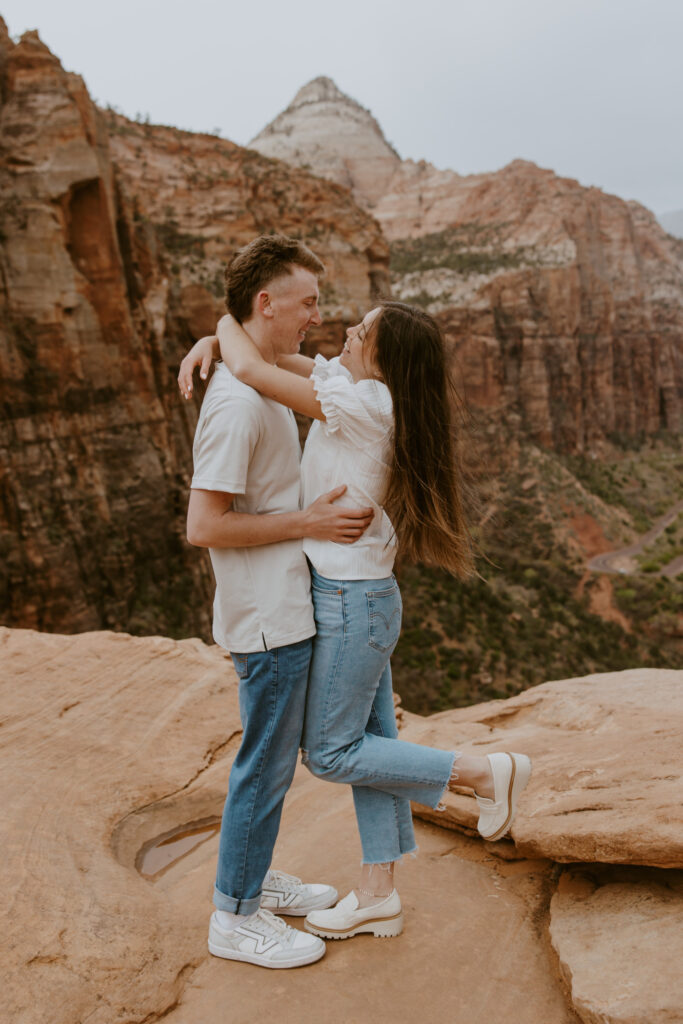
(424, 498)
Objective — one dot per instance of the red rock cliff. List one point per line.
(564, 304)
(112, 240)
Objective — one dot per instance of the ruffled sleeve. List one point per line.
(323, 368)
(361, 412)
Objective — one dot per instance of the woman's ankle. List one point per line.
(376, 883)
(367, 898)
(473, 772)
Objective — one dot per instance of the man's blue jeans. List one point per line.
(350, 728)
(272, 695)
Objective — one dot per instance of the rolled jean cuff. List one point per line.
(233, 906)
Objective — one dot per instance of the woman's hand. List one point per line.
(202, 354)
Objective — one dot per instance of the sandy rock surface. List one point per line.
(110, 741)
(606, 783)
(629, 921)
(103, 734)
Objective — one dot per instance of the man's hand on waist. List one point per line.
(323, 520)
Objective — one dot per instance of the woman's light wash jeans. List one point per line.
(350, 726)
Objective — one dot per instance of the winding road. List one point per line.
(623, 561)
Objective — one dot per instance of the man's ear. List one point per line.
(263, 305)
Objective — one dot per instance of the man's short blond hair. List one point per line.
(257, 264)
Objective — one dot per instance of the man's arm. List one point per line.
(212, 523)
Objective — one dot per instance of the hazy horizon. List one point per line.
(588, 92)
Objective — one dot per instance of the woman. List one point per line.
(384, 429)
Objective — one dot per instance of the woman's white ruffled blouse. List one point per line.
(352, 447)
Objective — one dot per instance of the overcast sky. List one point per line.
(590, 88)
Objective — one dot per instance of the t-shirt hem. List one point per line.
(237, 646)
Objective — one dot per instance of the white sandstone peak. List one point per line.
(329, 133)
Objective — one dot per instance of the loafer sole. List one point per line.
(381, 928)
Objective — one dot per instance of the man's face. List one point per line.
(294, 306)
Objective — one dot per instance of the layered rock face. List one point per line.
(564, 305)
(113, 238)
(113, 743)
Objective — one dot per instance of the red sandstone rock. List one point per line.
(110, 742)
(564, 304)
(617, 934)
(113, 239)
(605, 749)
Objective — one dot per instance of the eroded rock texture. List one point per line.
(606, 785)
(335, 137)
(617, 936)
(110, 742)
(564, 304)
(112, 241)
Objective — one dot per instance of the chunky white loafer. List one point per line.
(383, 920)
(511, 772)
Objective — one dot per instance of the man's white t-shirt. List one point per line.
(248, 445)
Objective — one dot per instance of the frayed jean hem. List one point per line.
(396, 860)
(440, 806)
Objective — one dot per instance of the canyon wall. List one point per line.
(564, 305)
(113, 236)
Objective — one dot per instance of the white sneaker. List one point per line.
(264, 940)
(285, 894)
(511, 772)
(384, 919)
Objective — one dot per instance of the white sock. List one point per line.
(229, 921)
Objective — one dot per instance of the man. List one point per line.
(244, 506)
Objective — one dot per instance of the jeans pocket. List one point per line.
(384, 618)
(241, 665)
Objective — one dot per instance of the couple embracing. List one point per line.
(306, 603)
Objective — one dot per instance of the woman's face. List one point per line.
(358, 354)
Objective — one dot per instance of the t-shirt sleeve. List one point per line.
(224, 446)
(362, 412)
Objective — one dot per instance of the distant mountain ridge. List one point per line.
(564, 304)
